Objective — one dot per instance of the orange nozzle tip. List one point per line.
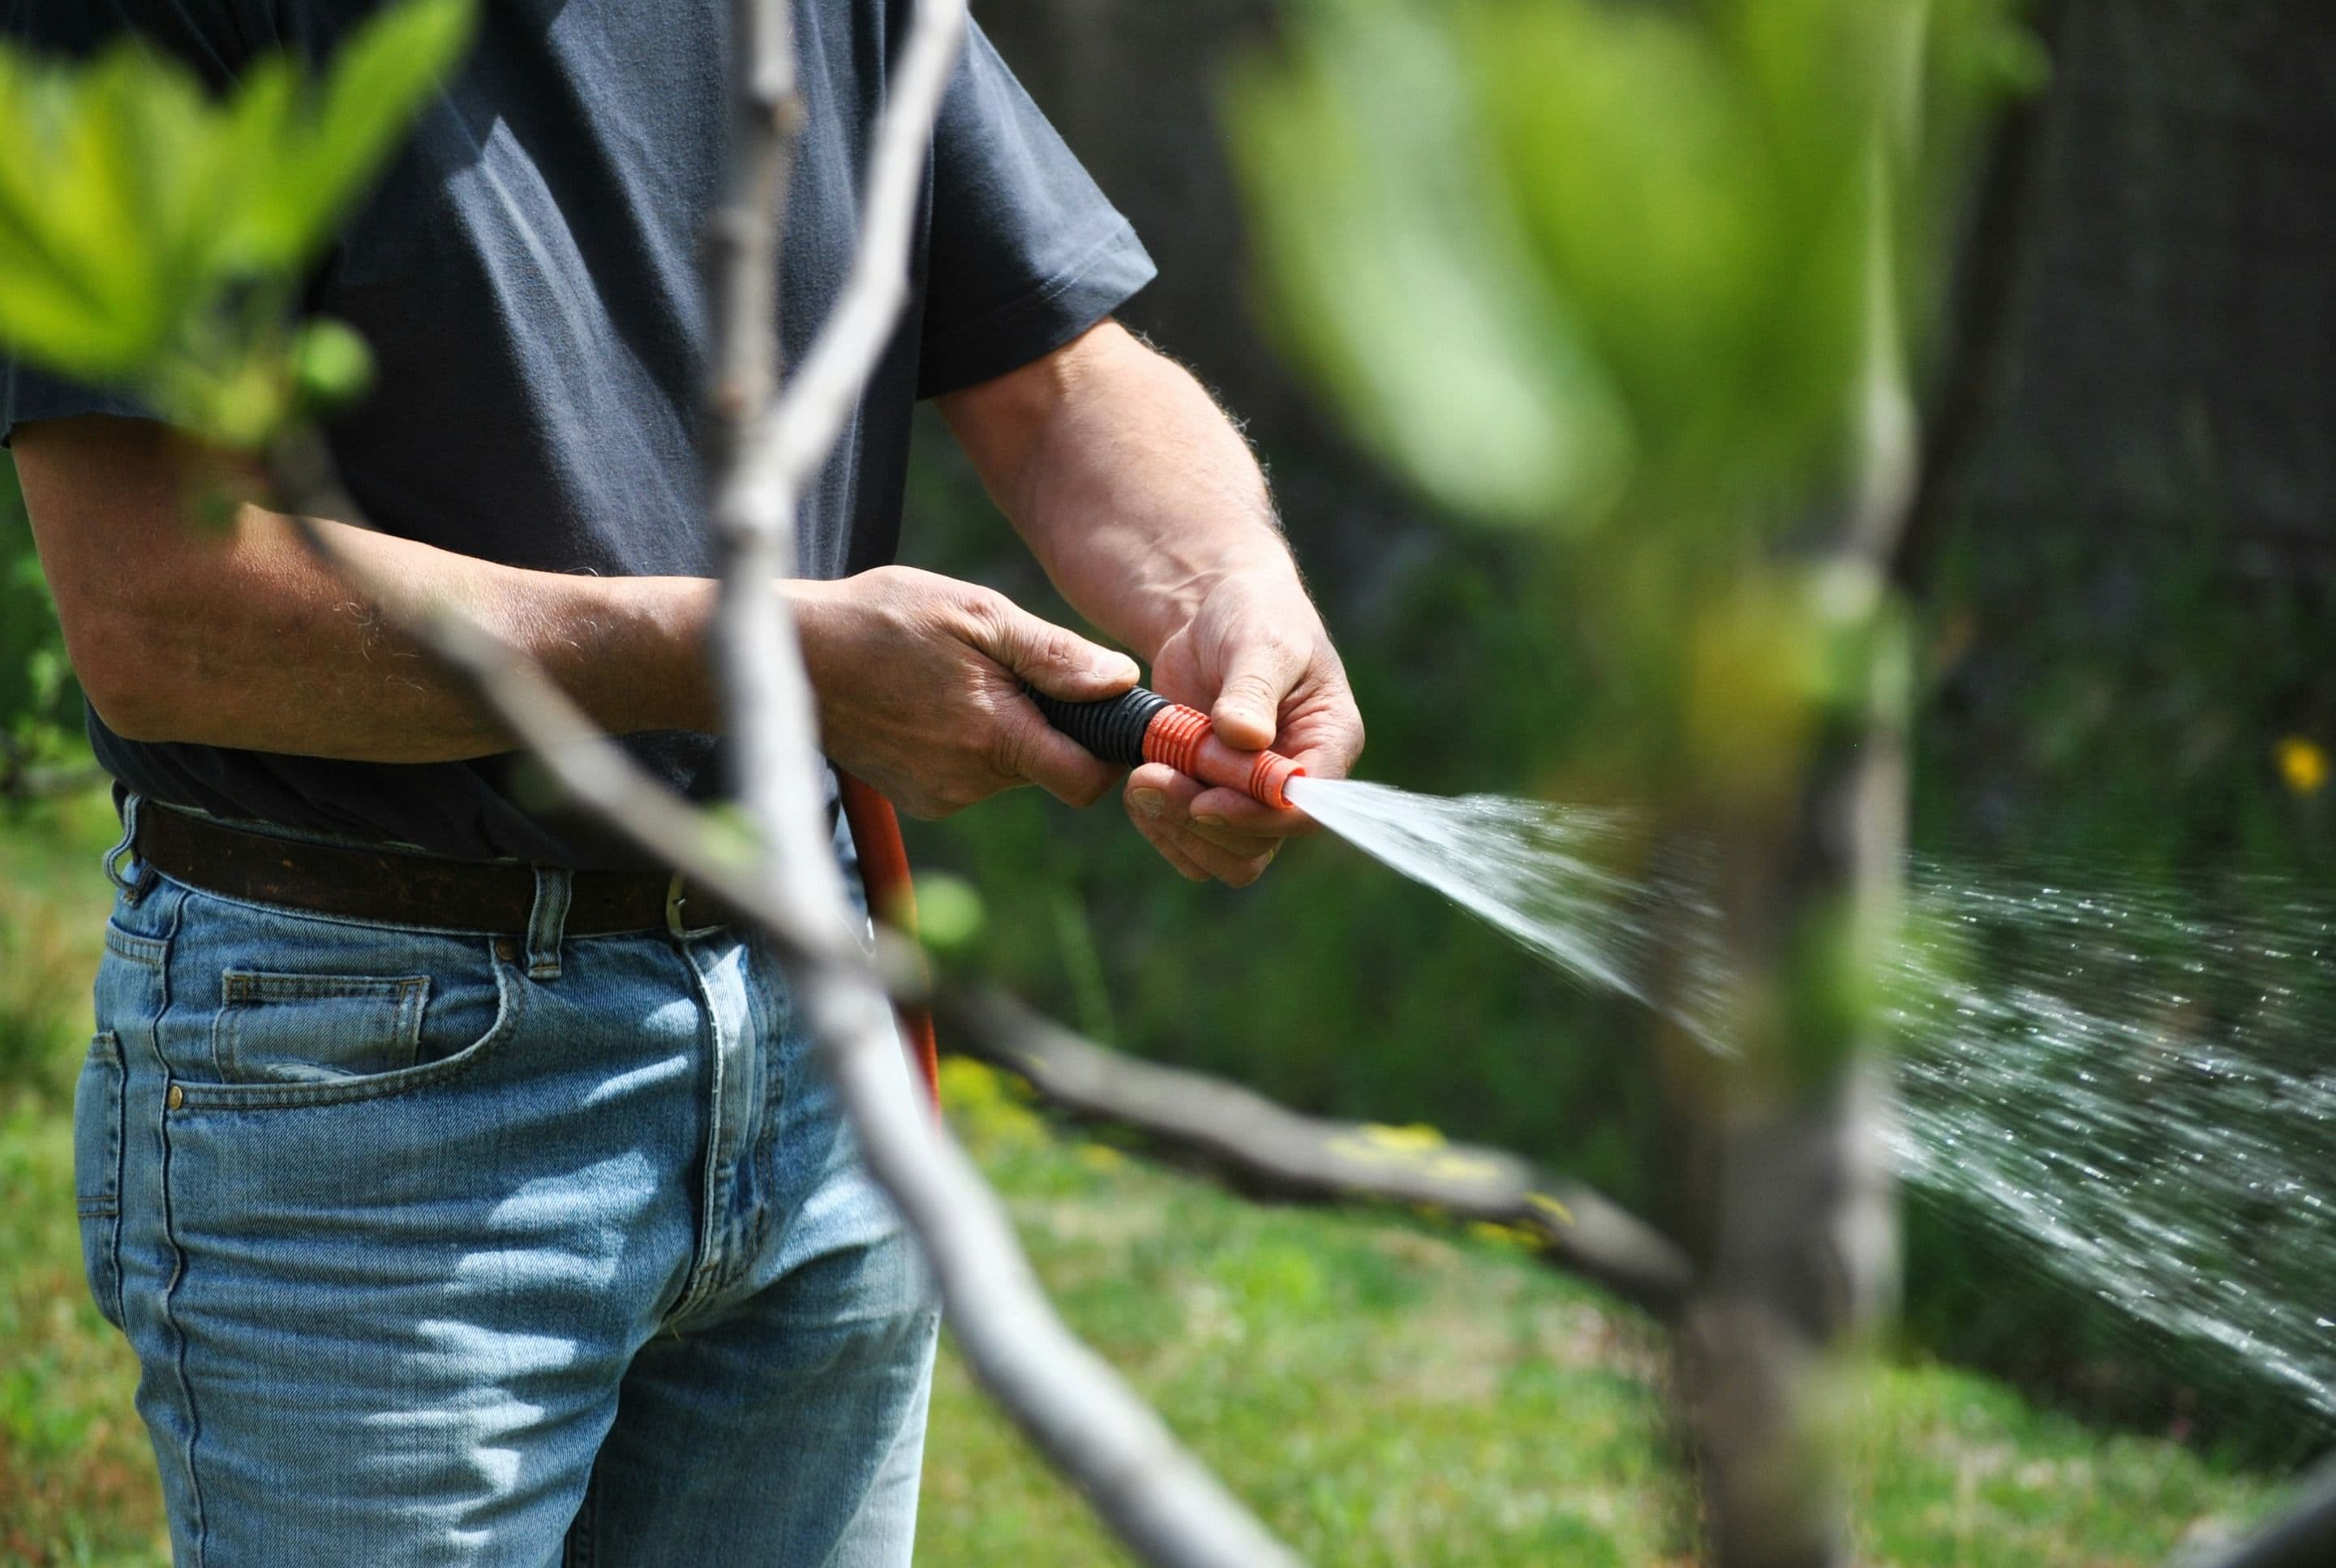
(1270, 780)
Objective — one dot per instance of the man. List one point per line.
(465, 1198)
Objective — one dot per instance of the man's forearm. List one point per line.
(263, 649)
(1131, 486)
(240, 636)
(1144, 505)
(259, 646)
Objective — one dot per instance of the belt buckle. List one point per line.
(676, 896)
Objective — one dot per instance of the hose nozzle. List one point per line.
(1140, 726)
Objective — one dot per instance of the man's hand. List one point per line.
(1256, 659)
(1149, 512)
(920, 679)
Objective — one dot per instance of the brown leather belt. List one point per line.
(395, 888)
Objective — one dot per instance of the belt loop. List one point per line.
(548, 922)
(133, 886)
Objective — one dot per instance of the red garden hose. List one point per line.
(891, 899)
(1136, 726)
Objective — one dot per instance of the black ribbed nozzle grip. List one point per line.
(1113, 728)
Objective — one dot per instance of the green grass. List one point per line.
(1384, 1391)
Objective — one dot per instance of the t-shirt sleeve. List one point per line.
(1025, 253)
(27, 394)
(213, 38)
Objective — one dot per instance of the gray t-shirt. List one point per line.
(529, 274)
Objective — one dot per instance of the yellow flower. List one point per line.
(2301, 764)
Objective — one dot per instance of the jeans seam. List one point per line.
(106, 1206)
(582, 1546)
(704, 1280)
(174, 1338)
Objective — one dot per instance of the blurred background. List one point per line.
(2124, 587)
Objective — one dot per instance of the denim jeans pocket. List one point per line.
(97, 1170)
(314, 1011)
(315, 1028)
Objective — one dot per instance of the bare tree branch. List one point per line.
(766, 697)
(1266, 1147)
(801, 431)
(1158, 1499)
(1797, 1263)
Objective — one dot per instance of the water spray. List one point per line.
(1139, 727)
(2080, 1102)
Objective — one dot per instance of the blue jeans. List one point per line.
(437, 1248)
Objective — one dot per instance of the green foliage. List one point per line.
(1578, 260)
(1649, 278)
(1407, 284)
(950, 912)
(151, 236)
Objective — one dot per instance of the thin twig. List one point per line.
(2303, 1535)
(1074, 1406)
(766, 695)
(1265, 1147)
(1157, 1497)
(802, 429)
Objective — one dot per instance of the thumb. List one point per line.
(1054, 659)
(1247, 713)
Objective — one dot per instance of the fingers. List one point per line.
(1056, 660)
(1035, 750)
(1159, 802)
(1231, 818)
(1260, 673)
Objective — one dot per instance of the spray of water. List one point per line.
(2141, 1094)
(2137, 1092)
(1550, 878)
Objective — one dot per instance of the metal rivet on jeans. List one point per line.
(176, 1097)
(506, 949)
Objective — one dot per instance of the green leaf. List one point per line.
(1398, 269)
(75, 293)
(151, 236)
(331, 365)
(378, 82)
(950, 912)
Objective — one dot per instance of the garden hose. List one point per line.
(891, 899)
(1135, 727)
(1140, 726)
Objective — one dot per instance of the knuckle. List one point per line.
(991, 609)
(1010, 751)
(1254, 683)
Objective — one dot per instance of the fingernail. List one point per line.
(1149, 802)
(1210, 821)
